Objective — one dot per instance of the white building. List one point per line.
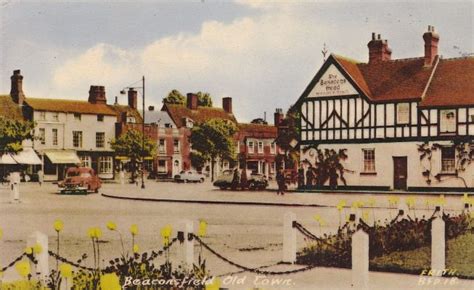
(402, 122)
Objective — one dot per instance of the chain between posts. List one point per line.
(311, 236)
(155, 255)
(12, 263)
(64, 260)
(247, 269)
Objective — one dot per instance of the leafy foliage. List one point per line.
(213, 139)
(12, 133)
(197, 160)
(130, 145)
(328, 166)
(204, 99)
(175, 97)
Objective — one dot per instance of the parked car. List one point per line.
(189, 176)
(79, 180)
(255, 181)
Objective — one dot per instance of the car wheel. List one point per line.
(223, 187)
(201, 180)
(96, 190)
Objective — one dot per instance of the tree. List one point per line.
(197, 160)
(213, 139)
(204, 99)
(130, 145)
(329, 166)
(288, 133)
(175, 97)
(12, 134)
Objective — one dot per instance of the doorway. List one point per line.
(400, 173)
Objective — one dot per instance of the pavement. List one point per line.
(244, 226)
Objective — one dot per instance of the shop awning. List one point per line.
(27, 156)
(7, 159)
(62, 156)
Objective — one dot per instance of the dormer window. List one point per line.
(448, 121)
(188, 122)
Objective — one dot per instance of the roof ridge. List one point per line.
(52, 99)
(458, 58)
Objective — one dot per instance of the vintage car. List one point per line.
(255, 181)
(79, 180)
(189, 176)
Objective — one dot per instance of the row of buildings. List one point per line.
(78, 132)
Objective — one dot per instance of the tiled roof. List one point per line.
(452, 84)
(406, 79)
(10, 109)
(119, 109)
(69, 106)
(200, 115)
(394, 80)
(257, 131)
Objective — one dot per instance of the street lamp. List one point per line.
(122, 92)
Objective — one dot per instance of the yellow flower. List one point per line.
(215, 284)
(393, 200)
(111, 226)
(317, 217)
(365, 215)
(165, 234)
(134, 230)
(98, 233)
(1, 233)
(29, 250)
(58, 225)
(94, 232)
(322, 222)
(65, 270)
(410, 201)
(441, 200)
(37, 248)
(23, 268)
(110, 282)
(340, 207)
(136, 249)
(465, 198)
(202, 228)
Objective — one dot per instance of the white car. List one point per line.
(189, 176)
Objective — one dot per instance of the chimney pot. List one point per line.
(227, 104)
(431, 39)
(97, 95)
(16, 90)
(278, 116)
(373, 35)
(192, 101)
(132, 98)
(379, 50)
(379, 36)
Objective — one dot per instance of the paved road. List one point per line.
(250, 235)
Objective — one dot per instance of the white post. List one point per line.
(289, 238)
(42, 268)
(438, 246)
(187, 247)
(360, 260)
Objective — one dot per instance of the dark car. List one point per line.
(79, 180)
(255, 181)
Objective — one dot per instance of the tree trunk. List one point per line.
(134, 170)
(212, 168)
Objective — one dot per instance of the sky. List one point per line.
(262, 54)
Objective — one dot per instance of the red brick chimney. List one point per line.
(431, 45)
(192, 101)
(378, 49)
(16, 91)
(132, 98)
(97, 95)
(227, 104)
(278, 117)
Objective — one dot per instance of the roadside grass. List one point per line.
(459, 257)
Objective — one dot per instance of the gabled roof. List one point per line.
(257, 131)
(69, 106)
(9, 109)
(448, 82)
(452, 84)
(200, 115)
(158, 117)
(393, 80)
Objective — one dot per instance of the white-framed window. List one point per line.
(176, 147)
(100, 139)
(251, 147)
(148, 165)
(272, 147)
(54, 136)
(85, 160)
(448, 159)
(42, 116)
(162, 146)
(77, 116)
(105, 164)
(42, 135)
(447, 122)
(403, 113)
(100, 118)
(368, 156)
(260, 147)
(77, 139)
(162, 166)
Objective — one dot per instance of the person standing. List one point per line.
(280, 177)
(40, 177)
(15, 179)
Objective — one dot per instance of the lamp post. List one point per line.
(143, 125)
